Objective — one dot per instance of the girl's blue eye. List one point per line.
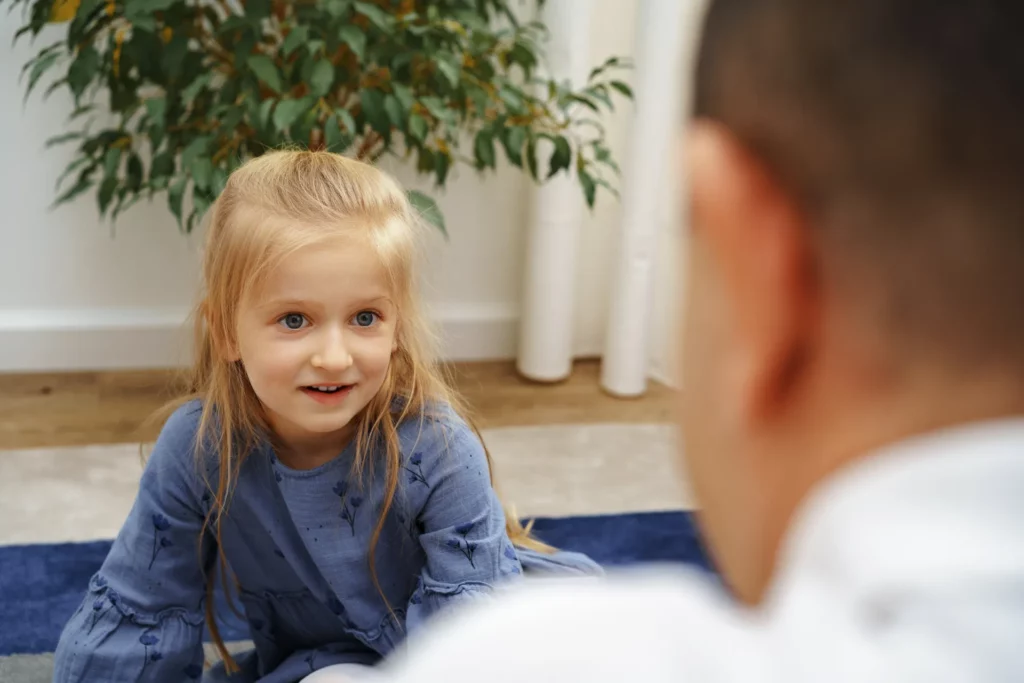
(365, 318)
(293, 321)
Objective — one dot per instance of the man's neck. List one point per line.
(856, 425)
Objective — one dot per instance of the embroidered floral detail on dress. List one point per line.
(160, 525)
(149, 640)
(465, 546)
(416, 470)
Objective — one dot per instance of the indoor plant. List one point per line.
(171, 95)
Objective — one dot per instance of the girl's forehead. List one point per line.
(329, 271)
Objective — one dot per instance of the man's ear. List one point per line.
(758, 242)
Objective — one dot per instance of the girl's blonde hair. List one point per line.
(271, 206)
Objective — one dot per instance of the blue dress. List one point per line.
(444, 541)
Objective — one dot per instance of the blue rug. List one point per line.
(41, 585)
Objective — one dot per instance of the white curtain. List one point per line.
(546, 322)
(548, 302)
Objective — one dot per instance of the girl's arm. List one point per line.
(461, 523)
(142, 617)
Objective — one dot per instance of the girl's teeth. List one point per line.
(326, 390)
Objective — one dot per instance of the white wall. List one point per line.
(74, 295)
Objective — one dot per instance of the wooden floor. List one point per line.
(65, 409)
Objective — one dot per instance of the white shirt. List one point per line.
(908, 567)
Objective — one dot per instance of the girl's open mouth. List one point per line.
(327, 393)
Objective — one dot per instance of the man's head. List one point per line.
(856, 268)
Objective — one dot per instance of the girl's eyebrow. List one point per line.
(299, 303)
(285, 303)
(383, 298)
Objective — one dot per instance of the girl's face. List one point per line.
(316, 341)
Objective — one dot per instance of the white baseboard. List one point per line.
(115, 339)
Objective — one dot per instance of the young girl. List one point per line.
(321, 465)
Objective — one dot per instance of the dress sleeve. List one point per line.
(142, 616)
(461, 524)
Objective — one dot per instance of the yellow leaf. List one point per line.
(64, 10)
(166, 34)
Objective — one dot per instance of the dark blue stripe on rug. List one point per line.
(42, 585)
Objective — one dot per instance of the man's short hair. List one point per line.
(898, 125)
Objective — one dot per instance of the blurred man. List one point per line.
(853, 359)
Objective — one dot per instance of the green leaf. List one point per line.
(83, 69)
(418, 127)
(257, 10)
(152, 5)
(601, 93)
(264, 113)
(354, 38)
(72, 167)
(451, 72)
(394, 111)
(174, 55)
(531, 157)
(106, 193)
(296, 37)
(123, 206)
(83, 184)
(428, 209)
(373, 109)
(195, 149)
(265, 69)
(346, 117)
(375, 14)
(513, 139)
(111, 162)
(61, 139)
(605, 184)
(609, 63)
(321, 78)
(143, 24)
(189, 94)
(512, 99)
(335, 140)
(604, 155)
(54, 87)
(219, 182)
(589, 187)
(288, 112)
(562, 156)
(437, 109)
(39, 67)
(441, 166)
(337, 7)
(404, 95)
(162, 167)
(81, 111)
(175, 195)
(134, 173)
(522, 55)
(157, 108)
(585, 101)
(483, 149)
(202, 172)
(622, 88)
(201, 201)
(425, 159)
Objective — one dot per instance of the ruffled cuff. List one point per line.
(107, 640)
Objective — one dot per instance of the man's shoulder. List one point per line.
(577, 629)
